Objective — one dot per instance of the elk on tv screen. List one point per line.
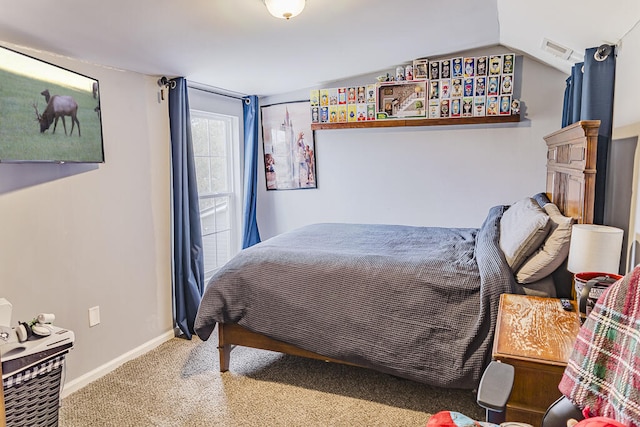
(47, 113)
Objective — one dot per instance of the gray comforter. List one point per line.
(416, 302)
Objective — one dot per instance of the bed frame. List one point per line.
(571, 172)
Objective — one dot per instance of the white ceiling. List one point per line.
(237, 46)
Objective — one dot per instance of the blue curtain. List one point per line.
(573, 96)
(188, 275)
(566, 105)
(597, 104)
(589, 96)
(250, 233)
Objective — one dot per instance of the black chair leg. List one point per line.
(495, 417)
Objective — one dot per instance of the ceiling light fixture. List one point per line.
(285, 9)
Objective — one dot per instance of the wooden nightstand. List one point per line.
(536, 336)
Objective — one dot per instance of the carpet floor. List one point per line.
(179, 384)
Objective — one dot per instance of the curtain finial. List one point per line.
(165, 82)
(602, 52)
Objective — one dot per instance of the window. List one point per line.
(215, 137)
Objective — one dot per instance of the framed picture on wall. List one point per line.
(289, 148)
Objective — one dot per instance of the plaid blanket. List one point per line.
(603, 372)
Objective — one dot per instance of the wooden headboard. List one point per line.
(571, 169)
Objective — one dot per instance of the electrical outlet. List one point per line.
(94, 316)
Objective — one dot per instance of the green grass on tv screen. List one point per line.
(20, 136)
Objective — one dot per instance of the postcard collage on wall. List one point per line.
(447, 88)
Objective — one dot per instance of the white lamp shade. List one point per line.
(285, 9)
(595, 248)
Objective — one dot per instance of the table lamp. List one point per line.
(594, 251)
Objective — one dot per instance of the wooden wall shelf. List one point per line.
(418, 122)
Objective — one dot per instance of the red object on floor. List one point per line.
(599, 422)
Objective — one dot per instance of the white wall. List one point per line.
(436, 176)
(78, 236)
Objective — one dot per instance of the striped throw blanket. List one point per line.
(603, 373)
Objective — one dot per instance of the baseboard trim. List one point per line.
(89, 377)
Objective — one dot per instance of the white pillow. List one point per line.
(553, 252)
(523, 228)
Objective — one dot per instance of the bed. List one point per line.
(416, 302)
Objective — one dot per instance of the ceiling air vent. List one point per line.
(556, 49)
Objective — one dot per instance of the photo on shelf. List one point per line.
(420, 69)
(402, 100)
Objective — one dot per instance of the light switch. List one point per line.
(94, 316)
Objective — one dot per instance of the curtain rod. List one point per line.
(216, 91)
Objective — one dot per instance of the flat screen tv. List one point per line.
(47, 113)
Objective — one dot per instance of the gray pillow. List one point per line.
(542, 288)
(554, 250)
(523, 228)
(542, 199)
